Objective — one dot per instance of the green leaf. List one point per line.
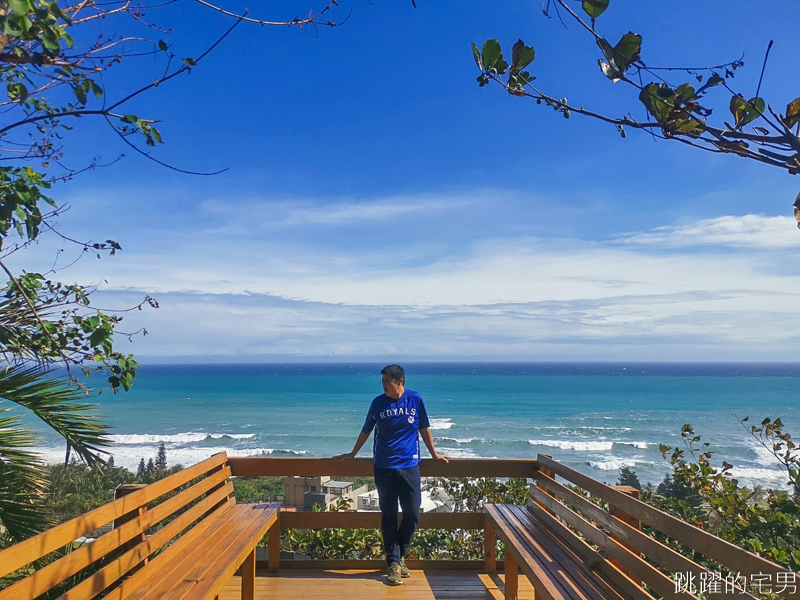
(20, 7)
(595, 8)
(714, 80)
(628, 49)
(56, 10)
(97, 338)
(793, 112)
(80, 94)
(521, 55)
(756, 109)
(654, 97)
(476, 54)
(688, 125)
(609, 71)
(49, 40)
(491, 54)
(162, 45)
(685, 92)
(620, 57)
(746, 112)
(127, 381)
(609, 66)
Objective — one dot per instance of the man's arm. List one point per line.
(428, 439)
(362, 438)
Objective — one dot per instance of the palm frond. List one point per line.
(23, 480)
(59, 406)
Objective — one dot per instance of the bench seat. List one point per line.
(553, 567)
(200, 563)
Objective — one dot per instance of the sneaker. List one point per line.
(404, 570)
(394, 577)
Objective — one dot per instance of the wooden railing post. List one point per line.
(633, 522)
(120, 492)
(489, 547)
(512, 577)
(274, 546)
(249, 576)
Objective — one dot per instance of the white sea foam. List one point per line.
(769, 478)
(177, 438)
(571, 445)
(129, 457)
(589, 427)
(441, 423)
(460, 452)
(449, 440)
(640, 445)
(765, 457)
(586, 446)
(612, 465)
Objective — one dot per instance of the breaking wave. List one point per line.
(177, 438)
(586, 446)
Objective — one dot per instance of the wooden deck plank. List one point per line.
(364, 585)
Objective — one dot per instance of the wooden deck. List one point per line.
(436, 584)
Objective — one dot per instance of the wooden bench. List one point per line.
(571, 547)
(179, 538)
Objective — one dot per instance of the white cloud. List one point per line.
(748, 231)
(264, 215)
(233, 290)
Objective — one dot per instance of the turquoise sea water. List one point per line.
(594, 417)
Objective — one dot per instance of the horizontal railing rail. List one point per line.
(363, 467)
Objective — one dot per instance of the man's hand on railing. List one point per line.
(362, 437)
(345, 456)
(442, 457)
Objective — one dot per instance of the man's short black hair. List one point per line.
(395, 372)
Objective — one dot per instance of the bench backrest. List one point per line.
(162, 506)
(615, 532)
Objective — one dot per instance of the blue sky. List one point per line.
(379, 205)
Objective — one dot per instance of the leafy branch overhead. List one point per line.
(55, 60)
(682, 111)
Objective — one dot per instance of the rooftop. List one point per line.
(337, 484)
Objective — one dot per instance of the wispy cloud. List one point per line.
(442, 285)
(272, 215)
(748, 231)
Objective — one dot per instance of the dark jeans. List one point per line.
(398, 485)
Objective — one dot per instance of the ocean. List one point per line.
(595, 417)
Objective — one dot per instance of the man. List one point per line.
(398, 416)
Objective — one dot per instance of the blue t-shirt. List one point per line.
(396, 423)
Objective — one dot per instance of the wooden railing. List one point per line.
(363, 467)
(642, 558)
(610, 540)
